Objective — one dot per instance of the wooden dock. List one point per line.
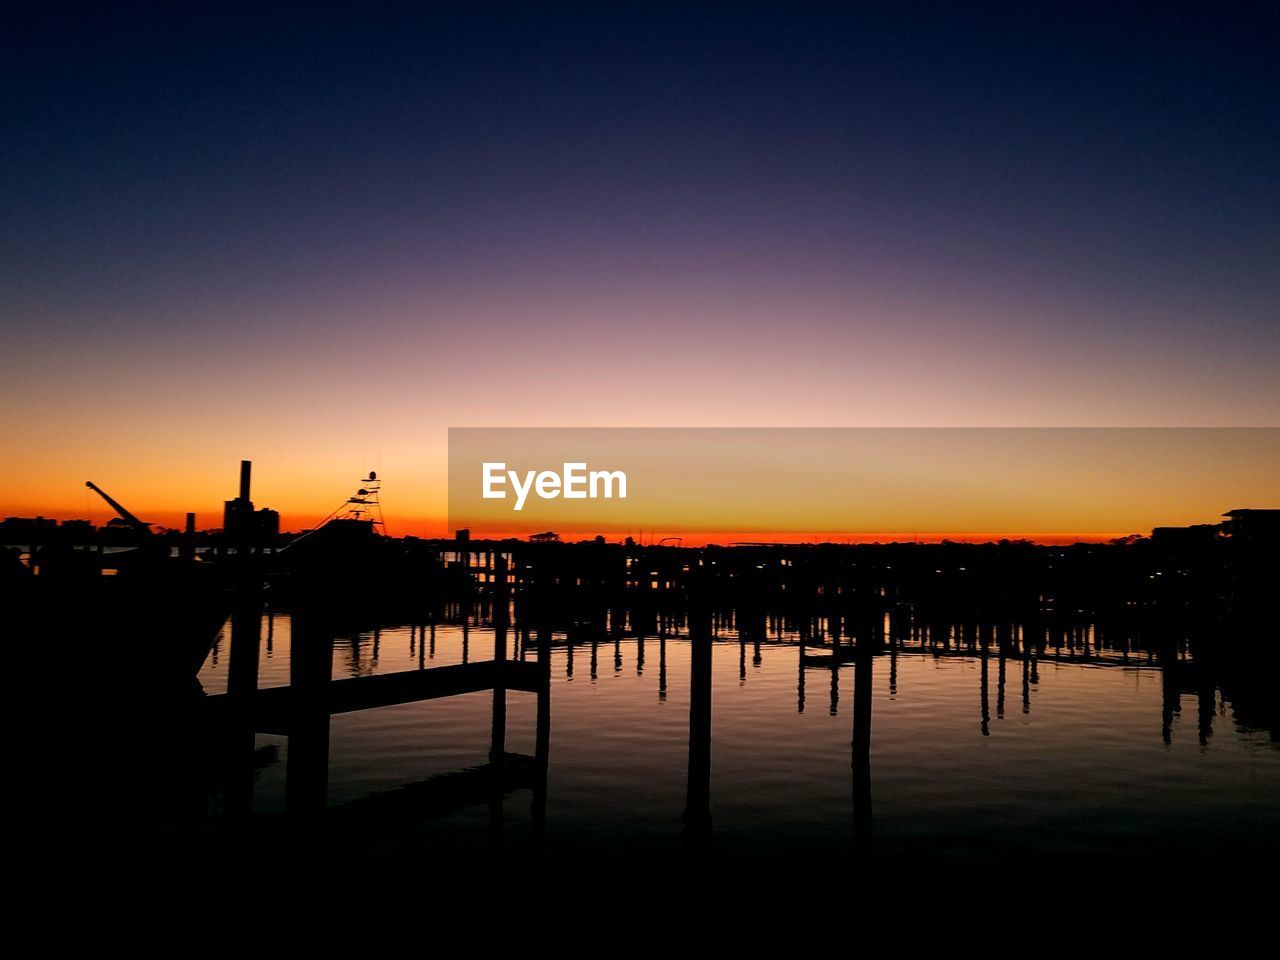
(273, 708)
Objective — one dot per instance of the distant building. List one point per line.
(27, 523)
(27, 530)
(1199, 535)
(1252, 527)
(240, 522)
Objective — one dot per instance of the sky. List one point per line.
(319, 237)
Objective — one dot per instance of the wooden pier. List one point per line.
(302, 711)
(273, 707)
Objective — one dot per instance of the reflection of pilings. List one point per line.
(662, 666)
(697, 811)
(242, 687)
(1000, 670)
(1171, 701)
(986, 703)
(862, 746)
(310, 670)
(1207, 702)
(1026, 681)
(893, 666)
(800, 681)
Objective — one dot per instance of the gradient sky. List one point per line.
(318, 239)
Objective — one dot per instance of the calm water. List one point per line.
(1069, 757)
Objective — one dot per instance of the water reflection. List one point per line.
(733, 741)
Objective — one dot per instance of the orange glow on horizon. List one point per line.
(437, 527)
(703, 487)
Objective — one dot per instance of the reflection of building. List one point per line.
(241, 522)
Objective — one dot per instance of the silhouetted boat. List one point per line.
(166, 609)
(348, 560)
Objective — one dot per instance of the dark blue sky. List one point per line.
(1143, 147)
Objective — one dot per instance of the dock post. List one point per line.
(242, 689)
(310, 671)
(862, 746)
(497, 577)
(542, 737)
(697, 811)
(498, 742)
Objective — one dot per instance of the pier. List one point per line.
(302, 711)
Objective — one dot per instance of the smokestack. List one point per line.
(246, 466)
